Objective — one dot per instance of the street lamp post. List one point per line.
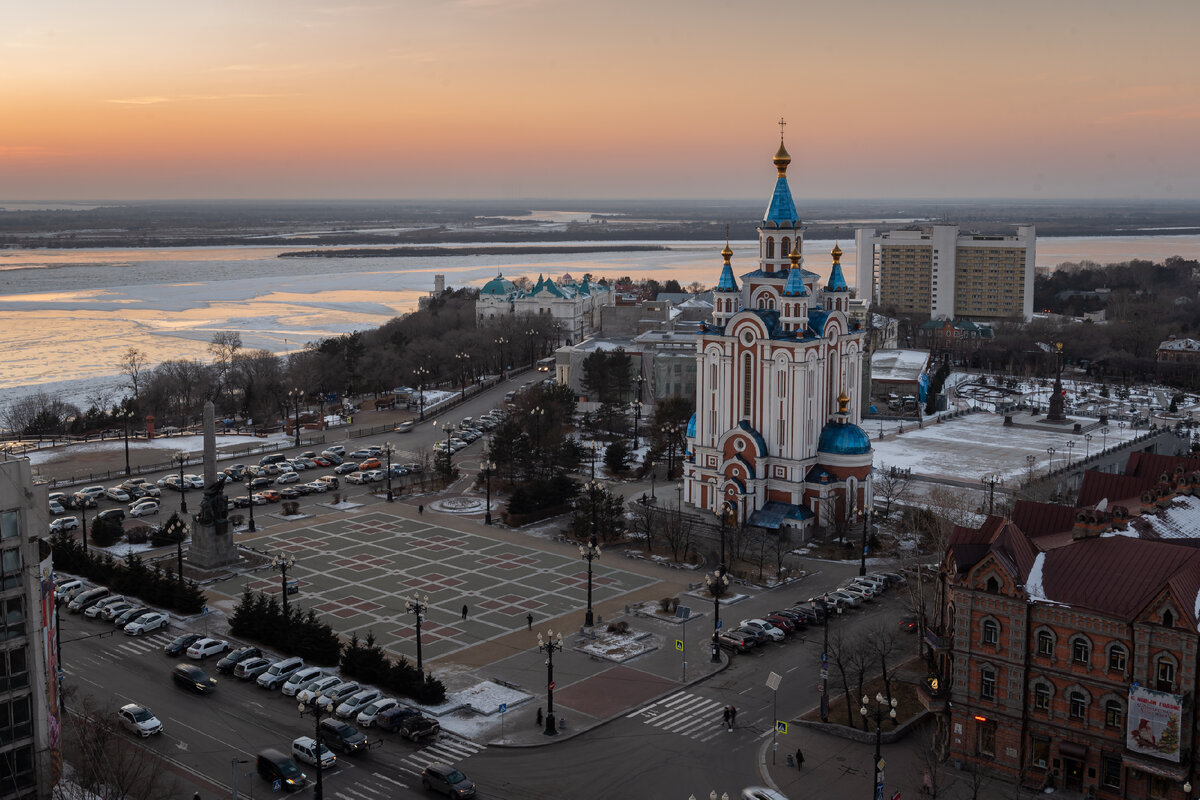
(1087, 446)
(295, 396)
(538, 413)
(990, 480)
(421, 374)
(636, 405)
(591, 551)
(283, 564)
(250, 501)
(862, 553)
(717, 583)
(317, 711)
(463, 359)
(126, 413)
(388, 449)
(531, 332)
(488, 467)
(181, 457)
(1030, 461)
(83, 526)
(1070, 449)
(653, 478)
(501, 341)
(1050, 451)
(880, 704)
(553, 643)
(417, 607)
(1104, 441)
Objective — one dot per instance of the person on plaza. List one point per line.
(529, 619)
(539, 717)
(420, 509)
(464, 613)
(799, 759)
(725, 714)
(732, 716)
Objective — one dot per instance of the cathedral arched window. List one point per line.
(770, 247)
(747, 383)
(785, 247)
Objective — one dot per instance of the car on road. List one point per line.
(192, 678)
(773, 633)
(82, 601)
(761, 793)
(908, 624)
(138, 719)
(251, 668)
(235, 657)
(316, 688)
(301, 678)
(342, 736)
(203, 648)
(309, 751)
(357, 702)
(179, 645)
(366, 716)
(447, 780)
(156, 620)
(275, 766)
(63, 524)
(143, 508)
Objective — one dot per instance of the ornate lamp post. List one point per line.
(421, 374)
(250, 501)
(591, 551)
(862, 553)
(1070, 449)
(538, 414)
(653, 477)
(881, 703)
(317, 711)
(1104, 441)
(717, 582)
(1030, 461)
(501, 341)
(531, 333)
(417, 607)
(181, 457)
(294, 397)
(283, 564)
(83, 527)
(126, 414)
(388, 449)
(990, 480)
(636, 405)
(463, 360)
(1087, 446)
(488, 467)
(1050, 451)
(550, 645)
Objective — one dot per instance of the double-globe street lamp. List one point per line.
(990, 480)
(881, 703)
(718, 582)
(283, 563)
(550, 645)
(488, 466)
(181, 457)
(317, 710)
(388, 449)
(421, 374)
(500, 342)
(250, 501)
(591, 550)
(636, 405)
(418, 607)
(294, 398)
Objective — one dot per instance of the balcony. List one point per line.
(933, 693)
(936, 640)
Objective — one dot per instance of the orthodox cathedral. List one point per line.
(775, 440)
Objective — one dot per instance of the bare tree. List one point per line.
(223, 348)
(842, 654)
(882, 643)
(891, 485)
(133, 364)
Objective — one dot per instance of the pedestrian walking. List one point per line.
(529, 619)
(539, 717)
(420, 509)
(725, 714)
(799, 759)
(464, 613)
(732, 716)
(927, 784)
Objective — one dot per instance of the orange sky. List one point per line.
(134, 99)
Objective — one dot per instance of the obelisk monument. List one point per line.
(212, 540)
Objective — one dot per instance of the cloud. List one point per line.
(141, 101)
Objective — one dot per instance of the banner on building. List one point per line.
(49, 649)
(1154, 720)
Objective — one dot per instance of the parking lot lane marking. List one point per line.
(793, 669)
(383, 777)
(743, 691)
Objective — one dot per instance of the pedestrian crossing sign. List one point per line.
(780, 726)
(679, 645)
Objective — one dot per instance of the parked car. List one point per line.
(258, 484)
(194, 481)
(358, 455)
(333, 458)
(331, 482)
(343, 469)
(338, 693)
(279, 672)
(783, 623)
(114, 514)
(299, 679)
(309, 751)
(336, 449)
(192, 678)
(203, 648)
(316, 487)
(64, 524)
(138, 719)
(846, 599)
(236, 473)
(366, 716)
(179, 645)
(342, 736)
(409, 723)
(153, 621)
(112, 611)
(288, 493)
(357, 702)
(316, 688)
(288, 477)
(83, 600)
(56, 508)
(252, 668)
(757, 636)
(773, 633)
(143, 508)
(275, 766)
(374, 476)
(64, 586)
(733, 640)
(95, 608)
(357, 477)
(908, 624)
(369, 464)
(117, 493)
(126, 617)
(235, 657)
(271, 496)
(62, 498)
(448, 780)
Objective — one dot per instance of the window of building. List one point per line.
(1117, 658)
(770, 247)
(1078, 705)
(12, 618)
(16, 721)
(1041, 697)
(1040, 752)
(1164, 670)
(987, 683)
(16, 769)
(985, 739)
(14, 672)
(993, 585)
(1168, 619)
(1114, 714)
(10, 568)
(747, 383)
(1110, 772)
(991, 632)
(785, 247)
(1081, 650)
(8, 525)
(1045, 643)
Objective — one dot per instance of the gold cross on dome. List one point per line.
(782, 124)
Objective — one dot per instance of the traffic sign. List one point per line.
(503, 707)
(780, 726)
(720, 622)
(773, 681)
(276, 785)
(679, 645)
(552, 686)
(821, 688)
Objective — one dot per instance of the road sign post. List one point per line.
(683, 614)
(773, 681)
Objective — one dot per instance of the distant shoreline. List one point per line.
(426, 252)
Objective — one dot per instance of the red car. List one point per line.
(783, 623)
(908, 624)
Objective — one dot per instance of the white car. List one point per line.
(138, 719)
(318, 486)
(357, 477)
(56, 507)
(115, 610)
(773, 633)
(288, 477)
(117, 493)
(156, 620)
(94, 610)
(859, 590)
(143, 508)
(357, 702)
(317, 688)
(309, 751)
(374, 475)
(203, 648)
(300, 679)
(64, 524)
(338, 693)
(193, 481)
(366, 717)
(852, 600)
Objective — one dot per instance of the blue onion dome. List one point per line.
(691, 427)
(843, 439)
(498, 285)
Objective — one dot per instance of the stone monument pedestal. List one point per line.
(212, 537)
(210, 547)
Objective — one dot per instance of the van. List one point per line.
(279, 672)
(83, 600)
(275, 766)
(94, 492)
(305, 750)
(273, 458)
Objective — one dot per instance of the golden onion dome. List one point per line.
(782, 159)
(795, 254)
(836, 252)
(843, 402)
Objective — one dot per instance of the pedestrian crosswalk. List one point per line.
(140, 645)
(686, 714)
(447, 749)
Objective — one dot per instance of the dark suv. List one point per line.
(342, 736)
(448, 780)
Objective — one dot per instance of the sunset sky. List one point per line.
(144, 99)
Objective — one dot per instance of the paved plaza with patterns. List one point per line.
(357, 572)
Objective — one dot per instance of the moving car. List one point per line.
(342, 736)
(192, 678)
(149, 622)
(203, 648)
(309, 750)
(275, 766)
(235, 657)
(179, 645)
(138, 719)
(448, 780)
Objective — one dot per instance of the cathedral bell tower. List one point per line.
(725, 295)
(795, 296)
